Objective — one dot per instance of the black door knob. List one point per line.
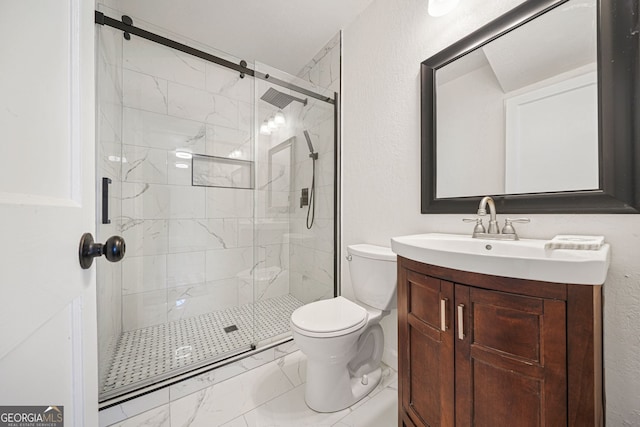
(113, 249)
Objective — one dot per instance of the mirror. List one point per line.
(524, 110)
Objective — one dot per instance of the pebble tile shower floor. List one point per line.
(151, 352)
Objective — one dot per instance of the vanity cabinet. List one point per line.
(479, 350)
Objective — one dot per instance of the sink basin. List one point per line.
(521, 259)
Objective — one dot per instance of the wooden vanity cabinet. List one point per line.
(478, 350)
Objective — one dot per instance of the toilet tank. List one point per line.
(373, 271)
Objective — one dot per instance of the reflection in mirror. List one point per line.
(280, 183)
(618, 92)
(520, 113)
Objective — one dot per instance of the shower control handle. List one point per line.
(304, 197)
(113, 249)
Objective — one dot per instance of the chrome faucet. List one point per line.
(482, 211)
(493, 231)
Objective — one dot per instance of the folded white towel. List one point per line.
(568, 241)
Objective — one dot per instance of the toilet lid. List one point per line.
(329, 316)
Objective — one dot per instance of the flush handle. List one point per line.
(460, 321)
(113, 250)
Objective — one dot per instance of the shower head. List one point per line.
(313, 153)
(279, 99)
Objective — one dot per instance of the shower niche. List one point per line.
(224, 172)
(206, 160)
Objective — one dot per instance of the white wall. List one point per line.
(381, 172)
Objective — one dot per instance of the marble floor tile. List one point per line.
(380, 410)
(237, 422)
(270, 395)
(290, 410)
(220, 374)
(225, 401)
(128, 411)
(285, 348)
(158, 417)
(294, 366)
(388, 378)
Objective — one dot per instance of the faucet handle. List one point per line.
(479, 228)
(523, 220)
(508, 226)
(476, 220)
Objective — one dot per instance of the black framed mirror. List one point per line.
(612, 185)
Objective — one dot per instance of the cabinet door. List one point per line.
(510, 359)
(426, 362)
(404, 420)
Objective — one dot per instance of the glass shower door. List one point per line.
(108, 192)
(223, 186)
(178, 148)
(294, 198)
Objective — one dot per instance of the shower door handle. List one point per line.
(113, 249)
(105, 200)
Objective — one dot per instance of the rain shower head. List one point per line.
(279, 99)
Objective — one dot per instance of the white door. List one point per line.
(47, 201)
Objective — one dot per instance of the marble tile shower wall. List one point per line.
(312, 251)
(324, 69)
(187, 246)
(304, 261)
(191, 250)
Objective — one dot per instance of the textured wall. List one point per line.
(382, 51)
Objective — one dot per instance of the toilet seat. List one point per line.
(329, 318)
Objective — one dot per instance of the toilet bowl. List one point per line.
(342, 339)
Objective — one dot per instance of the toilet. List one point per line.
(342, 339)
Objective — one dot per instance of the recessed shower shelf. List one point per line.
(213, 171)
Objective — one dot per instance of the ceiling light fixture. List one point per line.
(235, 154)
(183, 154)
(117, 159)
(264, 128)
(279, 118)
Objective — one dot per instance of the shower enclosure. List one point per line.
(202, 160)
